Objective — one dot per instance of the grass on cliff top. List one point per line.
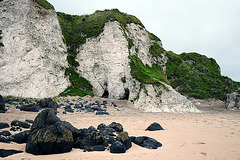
(197, 76)
(45, 4)
(76, 29)
(146, 74)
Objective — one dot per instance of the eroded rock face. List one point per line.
(157, 99)
(104, 62)
(31, 52)
(232, 100)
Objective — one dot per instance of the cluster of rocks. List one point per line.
(97, 107)
(232, 100)
(49, 135)
(7, 137)
(89, 107)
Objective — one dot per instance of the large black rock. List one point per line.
(146, 142)
(4, 125)
(154, 127)
(50, 135)
(5, 153)
(2, 105)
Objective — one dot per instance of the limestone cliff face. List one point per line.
(32, 51)
(104, 62)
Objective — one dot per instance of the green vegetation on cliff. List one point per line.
(197, 76)
(45, 4)
(79, 85)
(146, 74)
(76, 29)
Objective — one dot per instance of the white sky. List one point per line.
(208, 27)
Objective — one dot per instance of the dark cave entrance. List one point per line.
(126, 94)
(105, 94)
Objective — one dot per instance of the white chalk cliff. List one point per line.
(33, 59)
(32, 54)
(104, 62)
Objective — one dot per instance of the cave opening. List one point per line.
(105, 94)
(126, 94)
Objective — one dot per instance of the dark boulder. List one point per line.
(30, 108)
(2, 105)
(20, 137)
(93, 139)
(146, 142)
(5, 133)
(29, 121)
(154, 127)
(69, 110)
(44, 103)
(124, 139)
(4, 125)
(4, 139)
(20, 124)
(102, 113)
(114, 104)
(118, 147)
(101, 126)
(5, 153)
(53, 105)
(117, 126)
(50, 135)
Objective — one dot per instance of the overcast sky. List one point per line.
(209, 27)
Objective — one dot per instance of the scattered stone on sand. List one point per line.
(20, 137)
(154, 127)
(146, 142)
(5, 153)
(4, 125)
(20, 124)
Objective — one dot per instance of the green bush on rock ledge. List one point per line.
(45, 4)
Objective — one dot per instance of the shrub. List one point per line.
(45, 4)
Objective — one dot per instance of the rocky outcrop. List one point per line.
(50, 135)
(232, 100)
(158, 99)
(104, 62)
(32, 57)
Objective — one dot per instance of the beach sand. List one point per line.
(213, 134)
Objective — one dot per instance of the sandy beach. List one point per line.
(212, 134)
